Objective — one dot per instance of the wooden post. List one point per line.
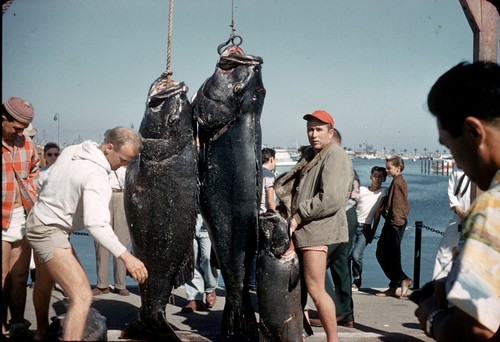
(482, 16)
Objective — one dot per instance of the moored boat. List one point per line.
(442, 165)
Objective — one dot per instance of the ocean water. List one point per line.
(428, 203)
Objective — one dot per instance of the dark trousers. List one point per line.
(338, 275)
(389, 253)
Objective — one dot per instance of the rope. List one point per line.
(168, 72)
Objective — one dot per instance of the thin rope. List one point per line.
(168, 72)
(232, 17)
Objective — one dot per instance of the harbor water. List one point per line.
(428, 203)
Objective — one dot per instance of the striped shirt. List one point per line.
(23, 160)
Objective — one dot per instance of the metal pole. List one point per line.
(58, 119)
(418, 250)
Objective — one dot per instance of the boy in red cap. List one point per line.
(315, 193)
(20, 164)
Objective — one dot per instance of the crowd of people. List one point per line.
(331, 217)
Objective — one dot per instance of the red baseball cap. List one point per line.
(320, 115)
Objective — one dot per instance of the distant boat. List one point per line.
(284, 158)
(367, 156)
(444, 164)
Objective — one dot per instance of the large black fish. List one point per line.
(278, 283)
(228, 107)
(161, 198)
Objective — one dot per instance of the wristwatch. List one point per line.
(429, 326)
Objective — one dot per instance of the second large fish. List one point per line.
(278, 283)
(228, 107)
(161, 198)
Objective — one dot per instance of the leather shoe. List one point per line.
(121, 292)
(210, 299)
(193, 305)
(347, 324)
(405, 285)
(97, 291)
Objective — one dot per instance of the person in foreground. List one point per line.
(316, 191)
(20, 168)
(76, 195)
(465, 305)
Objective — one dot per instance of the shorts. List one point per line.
(16, 230)
(44, 239)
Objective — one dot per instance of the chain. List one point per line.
(437, 231)
(433, 230)
(80, 233)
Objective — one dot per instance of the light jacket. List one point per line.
(321, 183)
(76, 193)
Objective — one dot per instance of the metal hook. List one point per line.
(232, 39)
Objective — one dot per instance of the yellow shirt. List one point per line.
(473, 284)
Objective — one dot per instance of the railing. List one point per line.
(416, 257)
(418, 251)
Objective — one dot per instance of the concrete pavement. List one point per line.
(376, 318)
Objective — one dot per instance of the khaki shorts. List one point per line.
(44, 239)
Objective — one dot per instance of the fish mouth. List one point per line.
(232, 61)
(165, 89)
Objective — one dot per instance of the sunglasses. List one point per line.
(52, 154)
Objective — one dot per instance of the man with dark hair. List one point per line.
(368, 202)
(465, 305)
(20, 168)
(83, 172)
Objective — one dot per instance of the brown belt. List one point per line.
(117, 190)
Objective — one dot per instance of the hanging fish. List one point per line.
(161, 198)
(228, 107)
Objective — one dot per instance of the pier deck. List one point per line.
(376, 318)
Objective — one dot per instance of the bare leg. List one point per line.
(19, 272)
(41, 299)
(66, 270)
(314, 275)
(6, 248)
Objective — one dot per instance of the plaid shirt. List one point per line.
(23, 158)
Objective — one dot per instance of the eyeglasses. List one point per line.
(52, 154)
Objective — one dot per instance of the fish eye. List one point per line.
(237, 87)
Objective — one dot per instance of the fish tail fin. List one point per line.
(186, 269)
(239, 324)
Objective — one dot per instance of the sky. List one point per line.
(369, 63)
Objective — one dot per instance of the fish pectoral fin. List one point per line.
(294, 278)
